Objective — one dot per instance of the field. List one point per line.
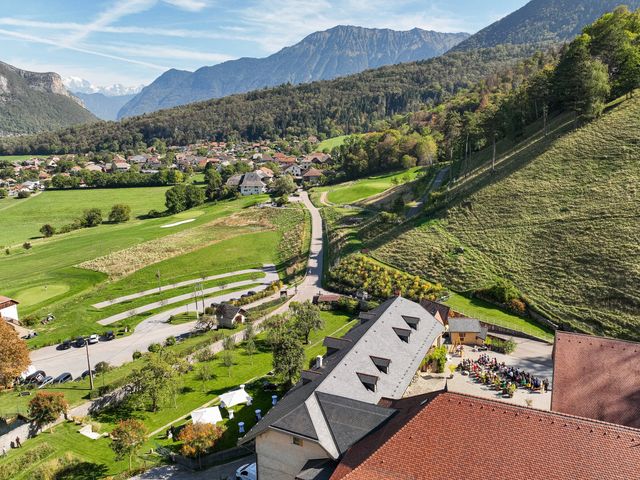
(23, 218)
(193, 394)
(331, 143)
(559, 224)
(351, 192)
(14, 158)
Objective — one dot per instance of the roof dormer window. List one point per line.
(403, 334)
(381, 364)
(369, 382)
(411, 321)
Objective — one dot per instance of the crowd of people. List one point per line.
(502, 377)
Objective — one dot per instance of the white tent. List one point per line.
(235, 397)
(206, 415)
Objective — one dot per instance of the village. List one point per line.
(248, 168)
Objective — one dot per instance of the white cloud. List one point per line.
(190, 5)
(166, 51)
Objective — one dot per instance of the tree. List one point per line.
(127, 438)
(46, 407)
(3, 193)
(14, 354)
(284, 185)
(155, 382)
(175, 199)
(287, 348)
(194, 196)
(227, 354)
(250, 340)
(306, 318)
(24, 194)
(91, 217)
(198, 438)
(213, 179)
(119, 213)
(47, 230)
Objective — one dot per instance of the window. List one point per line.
(297, 441)
(403, 334)
(411, 321)
(381, 364)
(368, 381)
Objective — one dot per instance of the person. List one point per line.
(18, 443)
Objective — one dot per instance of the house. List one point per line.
(121, 166)
(328, 298)
(252, 184)
(437, 309)
(233, 181)
(8, 308)
(228, 316)
(467, 331)
(335, 404)
(138, 159)
(597, 377)
(267, 174)
(446, 435)
(312, 176)
(294, 170)
(92, 167)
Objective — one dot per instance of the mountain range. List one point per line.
(339, 51)
(31, 102)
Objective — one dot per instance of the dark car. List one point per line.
(80, 342)
(66, 345)
(85, 374)
(63, 378)
(35, 377)
(109, 335)
(251, 293)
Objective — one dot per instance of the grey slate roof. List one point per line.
(336, 404)
(252, 179)
(464, 325)
(317, 469)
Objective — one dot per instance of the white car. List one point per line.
(93, 339)
(247, 472)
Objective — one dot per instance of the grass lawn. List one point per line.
(351, 192)
(22, 219)
(14, 158)
(331, 143)
(485, 311)
(193, 394)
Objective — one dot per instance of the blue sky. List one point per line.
(133, 41)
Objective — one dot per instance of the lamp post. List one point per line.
(86, 348)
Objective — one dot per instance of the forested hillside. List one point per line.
(543, 22)
(339, 51)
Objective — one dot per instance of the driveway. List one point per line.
(176, 472)
(153, 329)
(312, 283)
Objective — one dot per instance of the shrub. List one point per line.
(501, 346)
(438, 357)
(91, 217)
(29, 321)
(3, 193)
(19, 464)
(154, 347)
(47, 230)
(502, 291)
(154, 213)
(26, 245)
(170, 341)
(120, 213)
(24, 194)
(136, 355)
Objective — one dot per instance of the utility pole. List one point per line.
(86, 347)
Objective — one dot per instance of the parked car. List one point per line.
(46, 381)
(247, 472)
(63, 378)
(66, 345)
(80, 342)
(85, 374)
(109, 335)
(35, 377)
(251, 293)
(93, 339)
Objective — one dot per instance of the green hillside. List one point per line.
(563, 229)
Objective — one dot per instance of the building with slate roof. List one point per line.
(466, 331)
(335, 404)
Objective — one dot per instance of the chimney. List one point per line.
(319, 361)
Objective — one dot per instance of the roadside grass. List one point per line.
(557, 223)
(351, 192)
(194, 393)
(22, 219)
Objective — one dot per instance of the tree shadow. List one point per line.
(82, 471)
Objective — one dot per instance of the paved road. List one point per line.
(437, 182)
(176, 472)
(153, 329)
(171, 286)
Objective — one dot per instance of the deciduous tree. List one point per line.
(198, 438)
(120, 213)
(306, 318)
(127, 438)
(14, 354)
(46, 407)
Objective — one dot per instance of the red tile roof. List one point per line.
(597, 378)
(458, 437)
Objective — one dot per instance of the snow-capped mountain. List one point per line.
(81, 85)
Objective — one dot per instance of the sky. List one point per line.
(132, 42)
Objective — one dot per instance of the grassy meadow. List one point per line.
(22, 218)
(560, 223)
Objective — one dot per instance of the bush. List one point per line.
(501, 346)
(154, 347)
(170, 341)
(91, 218)
(438, 357)
(47, 230)
(502, 291)
(136, 355)
(24, 194)
(154, 214)
(3, 193)
(20, 463)
(26, 245)
(119, 213)
(29, 321)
